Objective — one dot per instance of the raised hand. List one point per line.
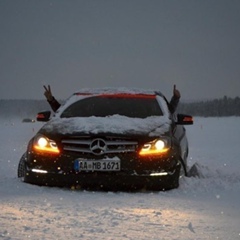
(48, 93)
(176, 93)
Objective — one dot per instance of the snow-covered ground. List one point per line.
(201, 208)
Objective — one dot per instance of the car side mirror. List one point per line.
(43, 116)
(183, 119)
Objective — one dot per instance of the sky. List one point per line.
(150, 44)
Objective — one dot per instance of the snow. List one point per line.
(115, 124)
(201, 208)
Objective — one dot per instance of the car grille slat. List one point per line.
(74, 141)
(75, 149)
(112, 145)
(121, 143)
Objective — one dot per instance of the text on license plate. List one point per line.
(100, 165)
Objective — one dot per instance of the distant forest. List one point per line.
(212, 108)
(222, 107)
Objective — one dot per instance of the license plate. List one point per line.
(100, 165)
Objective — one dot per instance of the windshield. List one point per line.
(100, 106)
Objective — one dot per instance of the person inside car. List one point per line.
(55, 104)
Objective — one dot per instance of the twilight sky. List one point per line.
(152, 44)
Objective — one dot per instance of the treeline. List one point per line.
(212, 108)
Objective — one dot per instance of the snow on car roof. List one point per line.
(93, 91)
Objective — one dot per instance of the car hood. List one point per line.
(119, 125)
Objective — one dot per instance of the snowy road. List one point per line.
(206, 208)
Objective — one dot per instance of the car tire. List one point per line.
(22, 167)
(173, 181)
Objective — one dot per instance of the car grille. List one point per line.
(99, 146)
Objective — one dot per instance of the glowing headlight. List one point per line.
(156, 147)
(43, 144)
(159, 144)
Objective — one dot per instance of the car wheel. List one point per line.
(22, 166)
(175, 179)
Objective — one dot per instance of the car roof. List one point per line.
(118, 92)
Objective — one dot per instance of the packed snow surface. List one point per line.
(205, 207)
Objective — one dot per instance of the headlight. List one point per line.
(44, 144)
(156, 147)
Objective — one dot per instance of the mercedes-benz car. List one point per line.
(109, 140)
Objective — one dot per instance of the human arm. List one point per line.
(51, 99)
(174, 100)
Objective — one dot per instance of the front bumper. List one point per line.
(107, 181)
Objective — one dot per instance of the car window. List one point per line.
(107, 106)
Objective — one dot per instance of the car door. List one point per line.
(179, 134)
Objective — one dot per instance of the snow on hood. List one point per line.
(116, 124)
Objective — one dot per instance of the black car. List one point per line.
(109, 140)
